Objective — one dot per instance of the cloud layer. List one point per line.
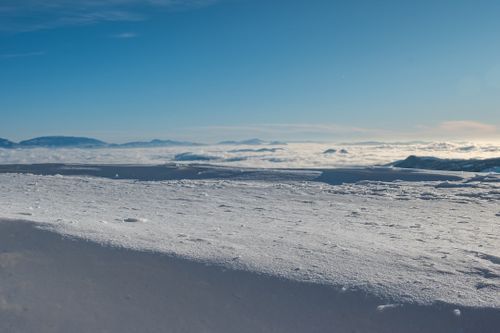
(291, 155)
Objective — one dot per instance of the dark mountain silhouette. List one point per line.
(85, 142)
(243, 142)
(189, 156)
(62, 141)
(4, 143)
(155, 143)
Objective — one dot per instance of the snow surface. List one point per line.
(64, 284)
(409, 242)
(292, 155)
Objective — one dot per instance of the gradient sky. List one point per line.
(210, 70)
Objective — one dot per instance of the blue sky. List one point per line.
(211, 70)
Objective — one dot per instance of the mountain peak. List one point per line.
(4, 143)
(62, 141)
(253, 141)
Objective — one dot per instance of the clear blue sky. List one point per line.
(209, 70)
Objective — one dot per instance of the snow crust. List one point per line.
(418, 242)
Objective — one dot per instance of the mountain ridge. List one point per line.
(4, 143)
(60, 141)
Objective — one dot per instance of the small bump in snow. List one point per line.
(133, 220)
(385, 307)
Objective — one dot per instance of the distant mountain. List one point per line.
(188, 156)
(4, 143)
(377, 143)
(243, 142)
(63, 142)
(155, 143)
(283, 143)
(434, 163)
(333, 151)
(259, 150)
(84, 142)
(330, 151)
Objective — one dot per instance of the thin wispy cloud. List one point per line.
(286, 131)
(302, 131)
(22, 55)
(125, 35)
(273, 128)
(457, 130)
(32, 15)
(467, 126)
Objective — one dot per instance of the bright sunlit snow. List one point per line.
(420, 242)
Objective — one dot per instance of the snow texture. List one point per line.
(408, 242)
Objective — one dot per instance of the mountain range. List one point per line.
(251, 142)
(84, 142)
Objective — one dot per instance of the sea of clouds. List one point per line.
(291, 155)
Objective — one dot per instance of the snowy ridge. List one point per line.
(419, 242)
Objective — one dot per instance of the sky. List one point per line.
(210, 70)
